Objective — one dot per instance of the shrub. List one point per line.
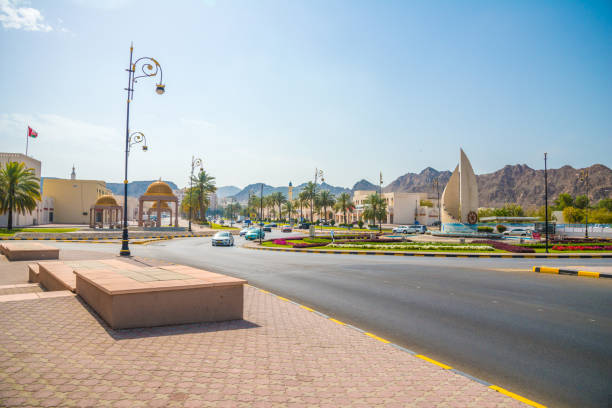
(280, 242)
(307, 245)
(484, 228)
(582, 248)
(360, 223)
(332, 222)
(501, 228)
(505, 247)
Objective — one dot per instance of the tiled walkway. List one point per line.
(55, 352)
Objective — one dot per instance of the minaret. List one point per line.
(73, 174)
(290, 191)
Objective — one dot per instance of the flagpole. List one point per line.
(27, 141)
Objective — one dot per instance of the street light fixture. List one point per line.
(318, 174)
(436, 183)
(584, 177)
(195, 162)
(150, 68)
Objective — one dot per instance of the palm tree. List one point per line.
(344, 204)
(303, 201)
(326, 199)
(278, 199)
(289, 208)
(204, 185)
(375, 207)
(19, 190)
(309, 191)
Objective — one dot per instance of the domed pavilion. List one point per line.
(161, 194)
(105, 211)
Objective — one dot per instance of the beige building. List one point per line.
(73, 198)
(402, 208)
(43, 213)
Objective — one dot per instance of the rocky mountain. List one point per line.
(227, 191)
(525, 186)
(517, 183)
(364, 184)
(135, 188)
(243, 195)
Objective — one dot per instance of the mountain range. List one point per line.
(135, 188)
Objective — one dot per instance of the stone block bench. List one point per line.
(28, 251)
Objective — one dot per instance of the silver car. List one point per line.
(223, 238)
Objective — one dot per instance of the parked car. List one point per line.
(244, 231)
(405, 229)
(223, 238)
(303, 225)
(521, 232)
(421, 229)
(268, 227)
(255, 233)
(286, 228)
(272, 224)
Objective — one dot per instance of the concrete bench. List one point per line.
(33, 271)
(136, 296)
(28, 251)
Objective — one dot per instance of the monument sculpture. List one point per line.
(459, 200)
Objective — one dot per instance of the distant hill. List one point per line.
(243, 195)
(227, 191)
(135, 188)
(517, 183)
(364, 185)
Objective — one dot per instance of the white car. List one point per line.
(223, 238)
(405, 229)
(522, 232)
(244, 231)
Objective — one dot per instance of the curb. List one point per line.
(433, 254)
(102, 238)
(558, 271)
(413, 353)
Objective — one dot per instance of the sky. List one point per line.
(267, 91)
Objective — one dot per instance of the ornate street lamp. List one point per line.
(195, 162)
(318, 174)
(150, 68)
(583, 176)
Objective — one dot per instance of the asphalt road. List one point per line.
(546, 337)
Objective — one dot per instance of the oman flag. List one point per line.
(32, 132)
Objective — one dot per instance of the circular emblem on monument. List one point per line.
(472, 217)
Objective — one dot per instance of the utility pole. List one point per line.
(546, 198)
(380, 218)
(584, 176)
(260, 212)
(436, 183)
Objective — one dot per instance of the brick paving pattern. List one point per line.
(56, 352)
(17, 289)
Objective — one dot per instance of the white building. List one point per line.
(43, 214)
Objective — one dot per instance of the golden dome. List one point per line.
(107, 200)
(164, 205)
(158, 188)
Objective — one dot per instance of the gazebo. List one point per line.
(105, 211)
(160, 193)
(164, 209)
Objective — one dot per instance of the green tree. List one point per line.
(289, 209)
(278, 198)
(19, 190)
(581, 202)
(605, 203)
(204, 185)
(303, 201)
(564, 200)
(309, 191)
(573, 215)
(600, 216)
(345, 204)
(375, 208)
(326, 199)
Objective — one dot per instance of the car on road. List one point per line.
(286, 228)
(268, 227)
(255, 233)
(405, 229)
(272, 224)
(421, 229)
(303, 225)
(244, 231)
(521, 232)
(223, 238)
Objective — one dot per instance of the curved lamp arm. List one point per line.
(135, 138)
(150, 68)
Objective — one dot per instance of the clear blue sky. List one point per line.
(269, 90)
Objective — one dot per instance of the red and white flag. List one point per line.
(32, 132)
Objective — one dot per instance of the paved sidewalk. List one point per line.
(56, 352)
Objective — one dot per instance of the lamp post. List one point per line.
(149, 67)
(195, 161)
(546, 199)
(380, 218)
(318, 174)
(584, 176)
(260, 212)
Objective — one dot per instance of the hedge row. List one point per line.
(505, 247)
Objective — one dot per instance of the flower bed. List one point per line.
(416, 247)
(307, 245)
(581, 241)
(368, 240)
(505, 247)
(582, 247)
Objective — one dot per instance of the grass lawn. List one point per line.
(543, 250)
(222, 227)
(357, 248)
(6, 233)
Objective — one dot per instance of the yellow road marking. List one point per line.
(307, 308)
(516, 396)
(264, 291)
(377, 338)
(282, 298)
(588, 274)
(337, 321)
(432, 361)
